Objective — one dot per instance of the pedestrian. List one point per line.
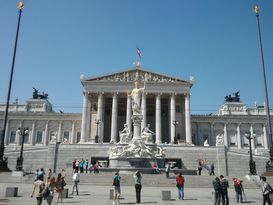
(267, 190)
(74, 164)
(81, 165)
(90, 167)
(41, 173)
(36, 175)
(77, 164)
(224, 187)
(199, 168)
(50, 185)
(217, 191)
(167, 170)
(63, 173)
(212, 170)
(180, 186)
(155, 168)
(238, 189)
(76, 180)
(138, 186)
(116, 184)
(60, 184)
(49, 174)
(86, 166)
(38, 188)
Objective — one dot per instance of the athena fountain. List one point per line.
(136, 149)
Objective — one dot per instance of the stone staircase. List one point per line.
(150, 180)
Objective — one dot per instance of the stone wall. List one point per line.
(60, 156)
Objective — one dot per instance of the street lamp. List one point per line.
(252, 165)
(23, 133)
(3, 159)
(97, 131)
(269, 166)
(175, 123)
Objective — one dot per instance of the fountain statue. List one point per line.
(136, 148)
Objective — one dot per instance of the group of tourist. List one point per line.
(44, 189)
(84, 166)
(116, 183)
(221, 185)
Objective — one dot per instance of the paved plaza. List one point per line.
(95, 194)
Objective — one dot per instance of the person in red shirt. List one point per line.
(180, 186)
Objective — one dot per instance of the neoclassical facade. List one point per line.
(165, 101)
(165, 107)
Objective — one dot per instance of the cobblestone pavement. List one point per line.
(91, 194)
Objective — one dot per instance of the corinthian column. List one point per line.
(114, 119)
(129, 112)
(46, 136)
(265, 137)
(59, 138)
(100, 115)
(158, 119)
(225, 135)
(172, 118)
(33, 133)
(188, 119)
(239, 140)
(85, 118)
(143, 111)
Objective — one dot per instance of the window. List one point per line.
(12, 137)
(39, 137)
(66, 136)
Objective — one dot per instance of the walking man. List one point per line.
(266, 189)
(116, 184)
(217, 191)
(38, 188)
(167, 170)
(180, 186)
(76, 180)
(238, 189)
(212, 170)
(224, 187)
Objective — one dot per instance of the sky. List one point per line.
(215, 41)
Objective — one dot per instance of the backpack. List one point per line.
(269, 188)
(116, 181)
(237, 183)
(45, 192)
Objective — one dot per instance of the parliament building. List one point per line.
(165, 106)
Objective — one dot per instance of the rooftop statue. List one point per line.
(235, 98)
(37, 95)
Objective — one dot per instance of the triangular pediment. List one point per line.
(133, 74)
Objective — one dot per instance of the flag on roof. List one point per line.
(139, 53)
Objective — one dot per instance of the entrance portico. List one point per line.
(165, 100)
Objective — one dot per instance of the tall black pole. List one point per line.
(252, 164)
(269, 128)
(3, 160)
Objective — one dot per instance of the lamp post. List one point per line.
(175, 123)
(252, 165)
(97, 131)
(3, 159)
(269, 166)
(23, 133)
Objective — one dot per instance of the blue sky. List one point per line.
(214, 40)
